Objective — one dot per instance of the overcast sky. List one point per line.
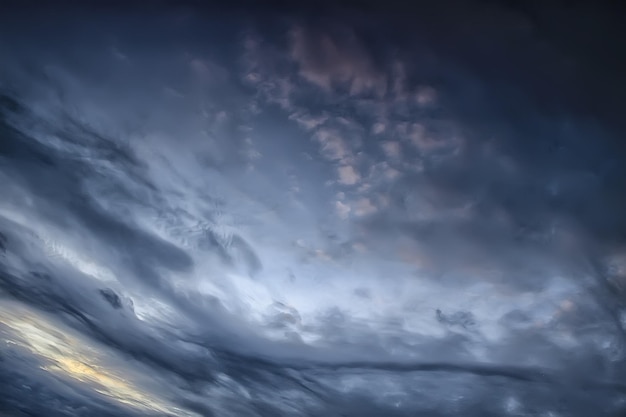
(349, 209)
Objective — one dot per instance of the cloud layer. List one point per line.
(226, 215)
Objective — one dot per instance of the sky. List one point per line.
(312, 209)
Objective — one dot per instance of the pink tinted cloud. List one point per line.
(348, 175)
(328, 61)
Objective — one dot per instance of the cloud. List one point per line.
(427, 218)
(258, 65)
(426, 96)
(378, 128)
(342, 209)
(333, 145)
(392, 149)
(348, 175)
(364, 207)
(308, 121)
(332, 59)
(64, 354)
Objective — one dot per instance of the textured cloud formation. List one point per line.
(354, 214)
(335, 58)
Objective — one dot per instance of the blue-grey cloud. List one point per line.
(213, 213)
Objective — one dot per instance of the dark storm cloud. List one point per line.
(383, 211)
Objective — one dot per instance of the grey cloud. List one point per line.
(472, 267)
(65, 191)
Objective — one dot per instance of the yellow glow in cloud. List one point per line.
(72, 356)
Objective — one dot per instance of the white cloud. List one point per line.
(418, 137)
(221, 117)
(382, 170)
(364, 207)
(343, 210)
(392, 149)
(416, 134)
(426, 96)
(278, 90)
(348, 175)
(365, 187)
(307, 121)
(334, 147)
(259, 71)
(378, 128)
(392, 173)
